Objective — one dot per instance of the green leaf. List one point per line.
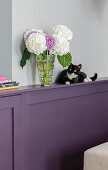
(45, 53)
(65, 60)
(40, 56)
(26, 56)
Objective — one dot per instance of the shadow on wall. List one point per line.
(69, 160)
(72, 157)
(99, 6)
(94, 7)
(32, 62)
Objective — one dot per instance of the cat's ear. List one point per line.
(79, 66)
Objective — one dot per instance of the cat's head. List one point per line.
(74, 68)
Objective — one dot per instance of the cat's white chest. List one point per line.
(71, 76)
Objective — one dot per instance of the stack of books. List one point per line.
(8, 84)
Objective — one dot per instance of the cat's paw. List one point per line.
(67, 82)
(87, 79)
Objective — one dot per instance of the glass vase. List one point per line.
(45, 66)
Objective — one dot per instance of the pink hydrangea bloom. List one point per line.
(50, 42)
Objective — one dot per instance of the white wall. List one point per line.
(5, 38)
(88, 19)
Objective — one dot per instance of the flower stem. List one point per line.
(44, 72)
(47, 68)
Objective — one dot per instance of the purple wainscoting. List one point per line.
(10, 133)
(60, 123)
(49, 128)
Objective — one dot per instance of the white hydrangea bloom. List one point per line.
(27, 33)
(64, 31)
(61, 46)
(35, 41)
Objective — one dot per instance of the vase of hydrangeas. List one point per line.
(45, 48)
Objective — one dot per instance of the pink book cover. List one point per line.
(2, 78)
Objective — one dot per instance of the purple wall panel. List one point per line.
(10, 133)
(60, 130)
(50, 128)
(6, 154)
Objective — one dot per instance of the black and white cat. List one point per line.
(74, 75)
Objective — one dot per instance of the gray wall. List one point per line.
(88, 19)
(6, 38)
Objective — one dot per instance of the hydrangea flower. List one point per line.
(50, 42)
(27, 33)
(61, 46)
(35, 41)
(63, 31)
